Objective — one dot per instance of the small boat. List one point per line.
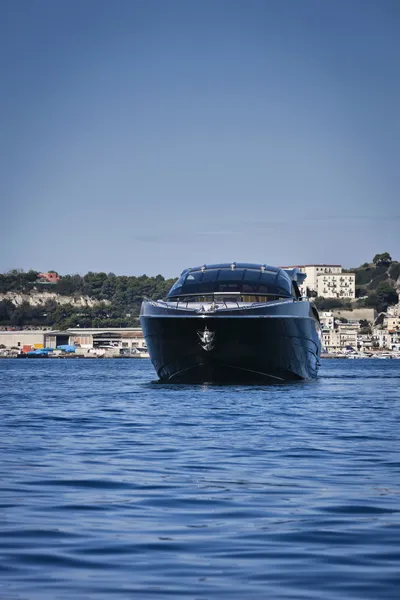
(233, 322)
(384, 355)
(142, 352)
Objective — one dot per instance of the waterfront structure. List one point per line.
(344, 336)
(348, 334)
(386, 339)
(52, 339)
(20, 338)
(394, 340)
(386, 333)
(86, 338)
(125, 338)
(365, 342)
(233, 322)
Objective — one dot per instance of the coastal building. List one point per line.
(313, 271)
(52, 339)
(394, 311)
(394, 340)
(381, 337)
(348, 334)
(336, 285)
(49, 277)
(330, 341)
(365, 342)
(342, 338)
(19, 339)
(392, 323)
(327, 320)
(129, 338)
(386, 338)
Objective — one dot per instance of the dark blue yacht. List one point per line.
(234, 322)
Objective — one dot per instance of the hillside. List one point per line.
(109, 300)
(369, 277)
(37, 298)
(94, 300)
(377, 286)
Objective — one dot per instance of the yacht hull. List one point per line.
(232, 347)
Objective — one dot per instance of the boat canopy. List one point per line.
(296, 275)
(245, 278)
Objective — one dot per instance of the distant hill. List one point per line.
(377, 286)
(92, 300)
(109, 300)
(369, 276)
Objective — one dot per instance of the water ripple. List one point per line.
(115, 486)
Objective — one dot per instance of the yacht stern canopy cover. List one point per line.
(245, 278)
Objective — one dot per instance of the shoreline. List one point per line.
(73, 357)
(91, 357)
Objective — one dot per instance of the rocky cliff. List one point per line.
(35, 298)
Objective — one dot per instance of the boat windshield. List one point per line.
(251, 281)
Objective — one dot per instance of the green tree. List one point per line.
(109, 287)
(384, 258)
(6, 311)
(327, 304)
(395, 271)
(371, 301)
(386, 295)
(365, 327)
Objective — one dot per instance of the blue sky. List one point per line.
(146, 137)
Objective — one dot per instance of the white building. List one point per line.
(348, 334)
(392, 323)
(327, 281)
(330, 341)
(394, 311)
(394, 340)
(365, 342)
(313, 271)
(327, 320)
(336, 285)
(107, 337)
(387, 338)
(336, 340)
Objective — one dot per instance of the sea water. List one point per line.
(113, 486)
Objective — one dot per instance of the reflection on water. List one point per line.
(113, 486)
